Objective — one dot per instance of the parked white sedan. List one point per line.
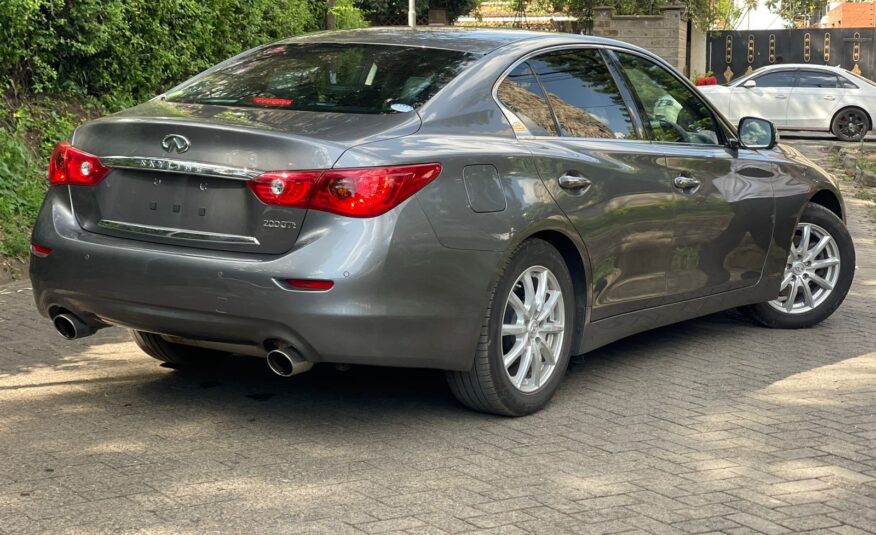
(801, 97)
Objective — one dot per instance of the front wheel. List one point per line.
(526, 337)
(818, 274)
(850, 124)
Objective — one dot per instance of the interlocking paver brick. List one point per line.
(711, 425)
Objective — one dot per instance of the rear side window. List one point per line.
(583, 95)
(521, 94)
(776, 79)
(346, 78)
(823, 80)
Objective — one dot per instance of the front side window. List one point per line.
(672, 111)
(583, 95)
(521, 94)
(824, 80)
(783, 79)
(340, 78)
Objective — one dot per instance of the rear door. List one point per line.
(608, 180)
(720, 215)
(767, 99)
(814, 99)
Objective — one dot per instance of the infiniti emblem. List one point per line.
(175, 143)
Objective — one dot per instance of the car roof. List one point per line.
(472, 40)
(794, 66)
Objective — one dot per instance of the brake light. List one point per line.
(40, 251)
(69, 165)
(356, 192)
(285, 188)
(311, 284)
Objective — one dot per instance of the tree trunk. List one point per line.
(331, 22)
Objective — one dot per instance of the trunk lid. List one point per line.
(191, 189)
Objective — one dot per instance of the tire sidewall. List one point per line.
(533, 253)
(834, 126)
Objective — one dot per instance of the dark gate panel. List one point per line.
(734, 54)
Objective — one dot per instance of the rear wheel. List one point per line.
(818, 274)
(850, 124)
(526, 337)
(177, 355)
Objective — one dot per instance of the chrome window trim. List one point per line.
(185, 167)
(177, 233)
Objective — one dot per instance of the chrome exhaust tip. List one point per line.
(287, 362)
(71, 327)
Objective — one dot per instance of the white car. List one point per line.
(801, 97)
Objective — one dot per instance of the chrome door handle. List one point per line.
(782, 97)
(685, 182)
(829, 97)
(573, 182)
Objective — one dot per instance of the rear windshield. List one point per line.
(346, 78)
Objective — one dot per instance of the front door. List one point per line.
(720, 200)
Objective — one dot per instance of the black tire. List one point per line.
(857, 118)
(768, 316)
(487, 387)
(177, 355)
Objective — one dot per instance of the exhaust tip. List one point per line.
(69, 326)
(287, 362)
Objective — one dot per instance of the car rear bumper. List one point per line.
(400, 298)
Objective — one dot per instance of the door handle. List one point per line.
(781, 97)
(829, 97)
(573, 182)
(685, 182)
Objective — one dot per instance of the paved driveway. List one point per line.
(710, 425)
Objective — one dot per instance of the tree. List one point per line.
(395, 12)
(793, 11)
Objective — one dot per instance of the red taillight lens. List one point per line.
(285, 188)
(370, 191)
(40, 251)
(310, 284)
(69, 165)
(358, 192)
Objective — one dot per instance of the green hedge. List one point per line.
(130, 50)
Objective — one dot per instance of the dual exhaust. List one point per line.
(284, 362)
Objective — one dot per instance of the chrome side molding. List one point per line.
(180, 234)
(168, 165)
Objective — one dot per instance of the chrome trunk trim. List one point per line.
(179, 166)
(176, 233)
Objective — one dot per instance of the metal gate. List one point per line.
(733, 54)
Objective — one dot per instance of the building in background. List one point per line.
(849, 15)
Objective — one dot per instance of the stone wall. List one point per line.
(665, 34)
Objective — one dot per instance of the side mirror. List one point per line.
(749, 84)
(757, 133)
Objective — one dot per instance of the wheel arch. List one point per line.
(829, 200)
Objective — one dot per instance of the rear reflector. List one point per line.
(69, 165)
(356, 192)
(310, 284)
(40, 251)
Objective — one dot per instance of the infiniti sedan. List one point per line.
(801, 97)
(487, 203)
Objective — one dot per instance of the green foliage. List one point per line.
(348, 16)
(795, 11)
(22, 185)
(132, 49)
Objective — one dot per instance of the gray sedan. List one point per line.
(487, 203)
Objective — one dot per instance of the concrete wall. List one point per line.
(666, 35)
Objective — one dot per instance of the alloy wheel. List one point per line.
(812, 270)
(533, 329)
(852, 124)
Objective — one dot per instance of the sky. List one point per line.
(759, 19)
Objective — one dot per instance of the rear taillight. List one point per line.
(357, 192)
(69, 165)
